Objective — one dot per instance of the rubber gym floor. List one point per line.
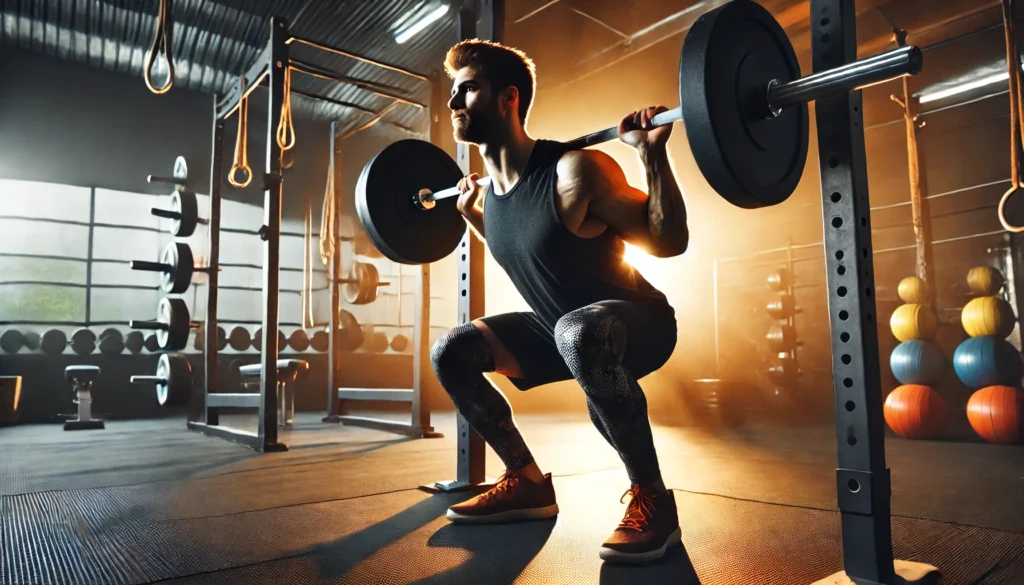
(149, 501)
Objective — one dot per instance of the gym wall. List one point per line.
(68, 130)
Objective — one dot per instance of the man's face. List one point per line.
(476, 117)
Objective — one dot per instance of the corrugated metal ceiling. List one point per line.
(215, 40)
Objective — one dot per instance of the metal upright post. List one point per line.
(471, 454)
(334, 273)
(271, 234)
(863, 481)
(88, 259)
(210, 349)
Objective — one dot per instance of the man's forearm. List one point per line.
(666, 210)
(475, 218)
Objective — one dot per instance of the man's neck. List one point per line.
(506, 159)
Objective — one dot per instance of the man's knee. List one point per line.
(590, 332)
(461, 349)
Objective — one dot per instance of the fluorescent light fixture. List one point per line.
(427, 19)
(965, 87)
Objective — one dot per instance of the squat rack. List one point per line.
(273, 66)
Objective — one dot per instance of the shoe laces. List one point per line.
(639, 510)
(506, 482)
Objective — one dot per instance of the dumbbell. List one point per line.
(173, 324)
(53, 342)
(176, 266)
(173, 380)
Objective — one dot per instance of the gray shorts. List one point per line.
(650, 340)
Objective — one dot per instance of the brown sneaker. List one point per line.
(512, 498)
(650, 527)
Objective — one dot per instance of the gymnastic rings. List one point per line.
(1016, 112)
(161, 43)
(241, 148)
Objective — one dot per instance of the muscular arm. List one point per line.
(475, 218)
(654, 221)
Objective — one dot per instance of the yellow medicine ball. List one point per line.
(984, 280)
(988, 316)
(913, 290)
(913, 321)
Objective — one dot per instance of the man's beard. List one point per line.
(472, 130)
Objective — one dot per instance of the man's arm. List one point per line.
(655, 221)
(475, 218)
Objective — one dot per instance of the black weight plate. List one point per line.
(32, 340)
(239, 339)
(298, 340)
(111, 342)
(134, 341)
(83, 342)
(320, 341)
(729, 57)
(53, 342)
(12, 341)
(385, 193)
(173, 312)
(184, 202)
(177, 372)
(151, 344)
(179, 256)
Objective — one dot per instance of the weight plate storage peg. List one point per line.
(173, 380)
(362, 283)
(176, 267)
(184, 213)
(172, 325)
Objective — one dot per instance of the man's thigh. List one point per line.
(650, 334)
(526, 347)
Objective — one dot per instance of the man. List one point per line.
(556, 221)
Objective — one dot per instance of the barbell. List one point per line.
(745, 110)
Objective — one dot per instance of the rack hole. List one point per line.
(844, 337)
(850, 406)
(848, 382)
(836, 197)
(844, 315)
(837, 222)
(841, 270)
(839, 254)
(846, 359)
(833, 161)
(841, 291)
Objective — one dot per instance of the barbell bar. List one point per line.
(745, 109)
(778, 96)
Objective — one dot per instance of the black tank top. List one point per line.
(555, 270)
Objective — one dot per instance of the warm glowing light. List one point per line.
(427, 20)
(965, 87)
(635, 256)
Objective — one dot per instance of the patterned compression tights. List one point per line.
(592, 341)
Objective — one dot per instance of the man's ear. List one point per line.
(510, 97)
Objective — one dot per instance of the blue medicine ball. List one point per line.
(917, 362)
(987, 361)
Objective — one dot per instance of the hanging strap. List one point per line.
(241, 142)
(161, 44)
(1013, 65)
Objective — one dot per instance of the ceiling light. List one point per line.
(426, 20)
(964, 87)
